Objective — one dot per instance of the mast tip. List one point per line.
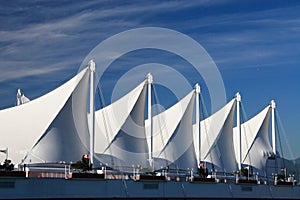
(197, 88)
(149, 78)
(273, 104)
(92, 65)
(238, 97)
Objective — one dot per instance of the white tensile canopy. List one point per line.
(165, 123)
(50, 128)
(172, 134)
(120, 130)
(180, 148)
(217, 139)
(54, 127)
(256, 146)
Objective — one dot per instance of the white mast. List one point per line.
(149, 83)
(273, 106)
(238, 125)
(92, 110)
(198, 133)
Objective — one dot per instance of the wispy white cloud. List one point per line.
(51, 30)
(71, 36)
(261, 38)
(87, 18)
(17, 72)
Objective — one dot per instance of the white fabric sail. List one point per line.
(217, 139)
(120, 130)
(165, 124)
(256, 146)
(173, 138)
(23, 126)
(57, 130)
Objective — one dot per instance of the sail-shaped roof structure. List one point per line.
(172, 134)
(217, 139)
(256, 146)
(57, 127)
(164, 124)
(43, 129)
(120, 130)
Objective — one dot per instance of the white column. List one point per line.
(273, 106)
(238, 125)
(198, 133)
(92, 66)
(149, 83)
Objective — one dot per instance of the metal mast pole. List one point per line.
(92, 67)
(238, 125)
(149, 83)
(198, 133)
(273, 106)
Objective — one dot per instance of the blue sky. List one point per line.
(255, 44)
